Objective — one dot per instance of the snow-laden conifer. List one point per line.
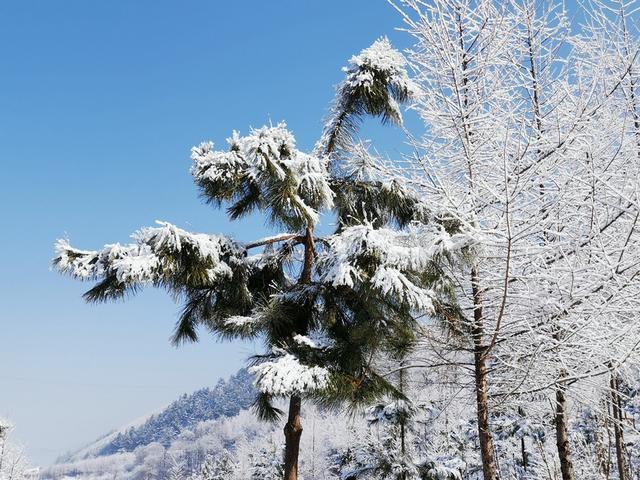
(319, 304)
(376, 84)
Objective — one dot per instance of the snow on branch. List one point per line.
(376, 82)
(391, 261)
(157, 254)
(264, 170)
(370, 189)
(304, 340)
(287, 376)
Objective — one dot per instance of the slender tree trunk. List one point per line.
(523, 445)
(562, 432)
(292, 434)
(487, 451)
(616, 405)
(403, 420)
(293, 427)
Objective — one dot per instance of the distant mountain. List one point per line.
(226, 399)
(206, 424)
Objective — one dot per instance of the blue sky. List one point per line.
(100, 103)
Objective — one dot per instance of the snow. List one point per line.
(412, 249)
(239, 321)
(390, 413)
(448, 471)
(174, 240)
(5, 426)
(304, 340)
(149, 258)
(379, 66)
(267, 156)
(91, 264)
(287, 376)
(379, 57)
(140, 267)
(397, 254)
(391, 281)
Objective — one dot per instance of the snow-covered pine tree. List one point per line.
(318, 303)
(385, 453)
(267, 464)
(217, 468)
(176, 469)
(395, 450)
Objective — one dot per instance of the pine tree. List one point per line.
(176, 469)
(393, 449)
(268, 464)
(217, 468)
(318, 303)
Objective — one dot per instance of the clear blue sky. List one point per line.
(100, 103)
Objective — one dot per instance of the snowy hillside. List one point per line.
(209, 423)
(226, 399)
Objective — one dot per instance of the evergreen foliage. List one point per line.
(318, 303)
(176, 470)
(366, 277)
(393, 449)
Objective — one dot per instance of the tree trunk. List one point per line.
(523, 445)
(616, 405)
(489, 465)
(292, 434)
(293, 427)
(562, 432)
(403, 419)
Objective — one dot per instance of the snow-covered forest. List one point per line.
(465, 311)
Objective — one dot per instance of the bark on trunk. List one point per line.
(487, 451)
(403, 476)
(402, 420)
(523, 445)
(489, 464)
(293, 427)
(616, 405)
(292, 434)
(562, 433)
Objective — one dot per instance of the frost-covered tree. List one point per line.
(396, 448)
(531, 143)
(176, 469)
(220, 467)
(318, 303)
(267, 464)
(384, 453)
(13, 462)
